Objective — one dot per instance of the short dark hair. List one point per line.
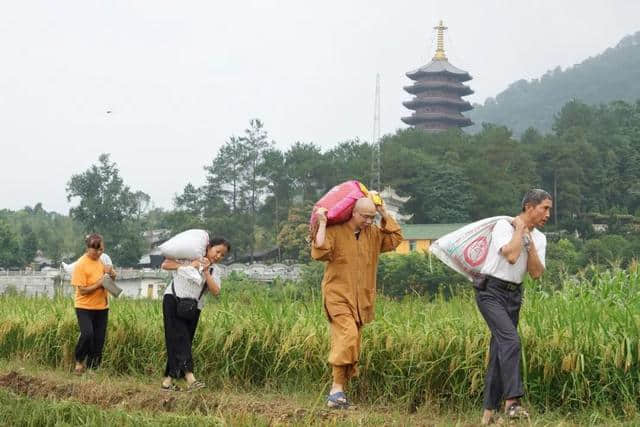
(534, 197)
(215, 241)
(93, 240)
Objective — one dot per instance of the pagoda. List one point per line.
(394, 203)
(438, 91)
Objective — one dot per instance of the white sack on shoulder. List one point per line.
(466, 249)
(190, 244)
(68, 268)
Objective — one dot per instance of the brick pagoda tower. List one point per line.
(438, 91)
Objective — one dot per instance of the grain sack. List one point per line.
(466, 249)
(190, 244)
(339, 202)
(68, 268)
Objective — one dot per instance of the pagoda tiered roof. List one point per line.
(439, 67)
(421, 118)
(457, 103)
(423, 86)
(394, 203)
(438, 88)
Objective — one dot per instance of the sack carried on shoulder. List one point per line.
(190, 244)
(187, 308)
(465, 250)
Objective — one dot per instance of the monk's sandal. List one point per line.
(338, 400)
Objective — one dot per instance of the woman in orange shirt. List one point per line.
(91, 303)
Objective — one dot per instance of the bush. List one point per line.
(416, 273)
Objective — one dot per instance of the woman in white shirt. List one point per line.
(191, 280)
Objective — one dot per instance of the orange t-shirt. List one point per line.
(86, 273)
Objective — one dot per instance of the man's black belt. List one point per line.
(508, 286)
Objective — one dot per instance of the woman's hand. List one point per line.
(108, 269)
(86, 290)
(201, 263)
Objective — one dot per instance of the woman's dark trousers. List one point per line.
(93, 331)
(178, 335)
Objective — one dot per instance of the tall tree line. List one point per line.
(260, 196)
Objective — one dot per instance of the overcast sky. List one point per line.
(180, 77)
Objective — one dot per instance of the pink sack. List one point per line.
(339, 202)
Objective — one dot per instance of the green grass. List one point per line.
(581, 344)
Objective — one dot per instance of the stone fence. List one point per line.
(145, 283)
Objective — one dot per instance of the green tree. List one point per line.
(9, 247)
(307, 171)
(278, 184)
(255, 143)
(293, 238)
(107, 206)
(29, 243)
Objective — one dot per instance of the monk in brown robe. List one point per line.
(351, 250)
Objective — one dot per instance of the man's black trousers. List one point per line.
(499, 302)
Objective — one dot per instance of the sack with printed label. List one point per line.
(465, 250)
(190, 244)
(340, 200)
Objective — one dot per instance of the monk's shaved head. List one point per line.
(365, 205)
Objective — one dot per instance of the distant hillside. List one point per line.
(612, 75)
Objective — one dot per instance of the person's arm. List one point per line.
(87, 289)
(321, 216)
(535, 264)
(391, 231)
(79, 280)
(213, 281)
(322, 245)
(511, 251)
(173, 264)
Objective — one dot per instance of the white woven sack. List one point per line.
(465, 250)
(106, 260)
(190, 244)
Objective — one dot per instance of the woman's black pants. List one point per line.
(93, 330)
(178, 336)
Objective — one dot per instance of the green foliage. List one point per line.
(294, 236)
(9, 247)
(609, 76)
(562, 260)
(57, 236)
(29, 244)
(107, 206)
(605, 250)
(312, 273)
(579, 342)
(416, 273)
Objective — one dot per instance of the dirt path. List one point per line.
(124, 394)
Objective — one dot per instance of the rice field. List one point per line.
(581, 344)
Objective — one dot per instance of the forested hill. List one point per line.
(612, 75)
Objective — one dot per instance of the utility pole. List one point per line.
(375, 141)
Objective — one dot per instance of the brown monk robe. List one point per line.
(351, 250)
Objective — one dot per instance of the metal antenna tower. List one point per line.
(375, 140)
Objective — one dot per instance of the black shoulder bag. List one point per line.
(187, 308)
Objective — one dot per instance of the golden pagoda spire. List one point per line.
(440, 47)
